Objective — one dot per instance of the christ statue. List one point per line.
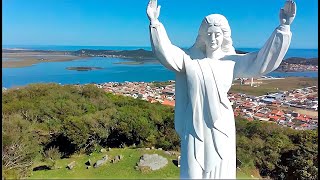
(204, 118)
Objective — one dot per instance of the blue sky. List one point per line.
(124, 22)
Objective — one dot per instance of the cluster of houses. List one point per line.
(271, 107)
(297, 67)
(142, 90)
(276, 107)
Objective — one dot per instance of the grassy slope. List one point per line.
(288, 83)
(121, 170)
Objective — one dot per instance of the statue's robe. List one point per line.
(204, 117)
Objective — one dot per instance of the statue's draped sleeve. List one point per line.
(267, 59)
(169, 55)
(174, 59)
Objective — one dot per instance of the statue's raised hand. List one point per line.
(153, 11)
(288, 12)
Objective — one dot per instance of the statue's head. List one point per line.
(215, 33)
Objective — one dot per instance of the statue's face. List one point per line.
(213, 39)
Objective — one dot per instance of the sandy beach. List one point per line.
(28, 58)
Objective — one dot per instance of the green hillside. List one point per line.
(50, 124)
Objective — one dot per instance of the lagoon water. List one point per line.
(56, 71)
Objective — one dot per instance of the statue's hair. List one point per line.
(217, 20)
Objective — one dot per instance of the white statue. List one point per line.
(204, 117)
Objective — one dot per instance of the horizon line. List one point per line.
(314, 48)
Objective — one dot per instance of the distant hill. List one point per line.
(145, 54)
(299, 60)
(141, 54)
(137, 54)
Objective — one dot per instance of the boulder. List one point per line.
(117, 158)
(98, 163)
(120, 157)
(71, 165)
(101, 161)
(43, 167)
(103, 150)
(105, 157)
(88, 163)
(152, 161)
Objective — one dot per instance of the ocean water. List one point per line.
(56, 72)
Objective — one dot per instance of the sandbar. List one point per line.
(83, 68)
(23, 59)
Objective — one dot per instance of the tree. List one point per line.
(19, 147)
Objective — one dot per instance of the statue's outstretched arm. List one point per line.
(169, 55)
(269, 57)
